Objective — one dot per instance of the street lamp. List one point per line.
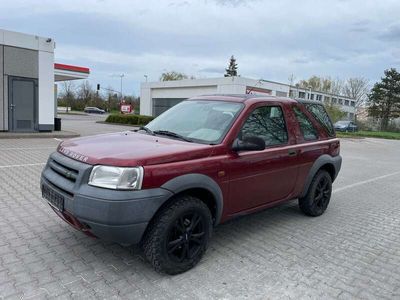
(120, 76)
(145, 76)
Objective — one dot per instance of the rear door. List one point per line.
(257, 178)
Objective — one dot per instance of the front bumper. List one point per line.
(118, 216)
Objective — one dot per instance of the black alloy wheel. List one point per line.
(178, 236)
(186, 237)
(316, 201)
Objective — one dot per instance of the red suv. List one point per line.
(204, 161)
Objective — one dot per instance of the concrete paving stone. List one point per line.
(351, 252)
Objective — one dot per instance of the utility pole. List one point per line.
(122, 75)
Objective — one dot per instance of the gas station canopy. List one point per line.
(64, 72)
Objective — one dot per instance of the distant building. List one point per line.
(27, 76)
(157, 97)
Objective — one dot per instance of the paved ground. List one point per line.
(352, 251)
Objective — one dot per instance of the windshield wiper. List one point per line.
(148, 130)
(172, 134)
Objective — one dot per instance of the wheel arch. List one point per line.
(200, 186)
(325, 162)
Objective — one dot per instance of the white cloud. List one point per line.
(271, 39)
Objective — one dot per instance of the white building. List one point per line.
(157, 97)
(27, 76)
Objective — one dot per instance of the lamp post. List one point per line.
(145, 76)
(122, 75)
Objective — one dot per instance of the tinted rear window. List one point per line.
(320, 114)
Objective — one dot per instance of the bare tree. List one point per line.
(358, 89)
(85, 91)
(337, 86)
(173, 75)
(68, 92)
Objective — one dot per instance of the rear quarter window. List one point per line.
(319, 113)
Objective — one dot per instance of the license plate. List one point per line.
(53, 198)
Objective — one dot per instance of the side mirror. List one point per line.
(249, 143)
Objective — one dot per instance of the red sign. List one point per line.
(126, 108)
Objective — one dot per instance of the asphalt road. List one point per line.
(352, 251)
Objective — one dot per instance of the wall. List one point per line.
(21, 62)
(29, 56)
(46, 91)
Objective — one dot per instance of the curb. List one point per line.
(30, 135)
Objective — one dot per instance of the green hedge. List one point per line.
(374, 134)
(129, 119)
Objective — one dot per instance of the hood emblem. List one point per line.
(73, 154)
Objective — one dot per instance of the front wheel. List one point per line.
(318, 195)
(178, 237)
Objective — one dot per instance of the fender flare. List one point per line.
(336, 161)
(190, 181)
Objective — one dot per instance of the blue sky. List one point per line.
(270, 39)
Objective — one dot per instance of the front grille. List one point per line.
(65, 174)
(63, 170)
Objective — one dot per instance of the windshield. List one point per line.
(202, 121)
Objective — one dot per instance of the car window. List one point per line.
(307, 128)
(320, 114)
(268, 123)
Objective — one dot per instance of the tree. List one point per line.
(68, 94)
(232, 68)
(323, 84)
(85, 91)
(334, 112)
(357, 88)
(173, 75)
(385, 98)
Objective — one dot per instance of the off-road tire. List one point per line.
(311, 204)
(156, 243)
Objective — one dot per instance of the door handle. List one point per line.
(292, 152)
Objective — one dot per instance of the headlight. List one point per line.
(117, 178)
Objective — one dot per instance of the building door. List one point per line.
(22, 100)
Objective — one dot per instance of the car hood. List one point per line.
(131, 149)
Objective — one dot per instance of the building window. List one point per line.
(302, 95)
(319, 97)
(334, 100)
(327, 99)
(346, 102)
(311, 96)
(353, 103)
(351, 116)
(281, 94)
(341, 101)
(291, 94)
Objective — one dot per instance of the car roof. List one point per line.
(241, 98)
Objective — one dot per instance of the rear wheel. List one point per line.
(318, 195)
(178, 237)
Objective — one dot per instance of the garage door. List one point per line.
(162, 104)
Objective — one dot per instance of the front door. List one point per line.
(258, 178)
(22, 102)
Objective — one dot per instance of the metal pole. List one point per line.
(122, 75)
